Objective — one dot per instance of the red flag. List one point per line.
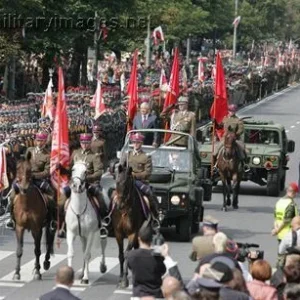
(98, 101)
(173, 89)
(132, 89)
(48, 107)
(219, 108)
(158, 35)
(60, 137)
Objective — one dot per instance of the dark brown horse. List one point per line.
(127, 217)
(30, 214)
(230, 169)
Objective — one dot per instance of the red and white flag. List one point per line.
(201, 68)
(4, 184)
(158, 35)
(98, 101)
(60, 153)
(163, 83)
(48, 107)
(236, 21)
(266, 61)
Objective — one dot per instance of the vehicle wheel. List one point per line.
(273, 184)
(185, 229)
(282, 183)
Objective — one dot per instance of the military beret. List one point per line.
(210, 221)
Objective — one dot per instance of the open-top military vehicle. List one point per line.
(267, 146)
(178, 181)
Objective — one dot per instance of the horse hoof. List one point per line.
(103, 268)
(84, 281)
(228, 202)
(80, 276)
(224, 208)
(46, 265)
(37, 276)
(235, 206)
(16, 276)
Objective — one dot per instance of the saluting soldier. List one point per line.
(40, 168)
(141, 164)
(181, 120)
(233, 123)
(94, 173)
(98, 145)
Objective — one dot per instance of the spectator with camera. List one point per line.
(147, 268)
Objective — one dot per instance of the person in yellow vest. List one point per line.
(285, 210)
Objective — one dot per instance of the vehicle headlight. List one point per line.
(175, 200)
(256, 160)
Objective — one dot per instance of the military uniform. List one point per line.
(94, 164)
(98, 147)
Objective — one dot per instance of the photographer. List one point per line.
(147, 269)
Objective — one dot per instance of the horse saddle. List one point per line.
(145, 203)
(44, 197)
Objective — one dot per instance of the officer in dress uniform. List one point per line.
(233, 123)
(98, 145)
(94, 173)
(40, 167)
(141, 165)
(181, 120)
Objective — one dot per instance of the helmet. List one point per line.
(41, 136)
(294, 187)
(85, 138)
(232, 108)
(137, 137)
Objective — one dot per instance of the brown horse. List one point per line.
(127, 217)
(30, 214)
(230, 169)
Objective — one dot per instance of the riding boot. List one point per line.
(245, 163)
(215, 169)
(62, 224)
(11, 222)
(154, 206)
(52, 215)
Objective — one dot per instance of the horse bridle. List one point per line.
(82, 185)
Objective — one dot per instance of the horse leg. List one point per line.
(87, 256)
(236, 190)
(103, 241)
(83, 245)
(224, 208)
(20, 242)
(120, 241)
(228, 192)
(125, 282)
(70, 241)
(37, 235)
(49, 247)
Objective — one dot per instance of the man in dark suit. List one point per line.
(145, 120)
(64, 281)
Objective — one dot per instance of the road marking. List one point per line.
(293, 126)
(12, 284)
(4, 254)
(286, 130)
(27, 269)
(2, 298)
(298, 122)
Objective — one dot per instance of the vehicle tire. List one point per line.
(185, 229)
(197, 218)
(282, 182)
(273, 184)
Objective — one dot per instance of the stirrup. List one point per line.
(246, 168)
(53, 225)
(62, 234)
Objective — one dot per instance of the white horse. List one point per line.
(81, 219)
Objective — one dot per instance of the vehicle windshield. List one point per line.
(174, 158)
(261, 136)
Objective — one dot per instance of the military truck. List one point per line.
(178, 180)
(267, 146)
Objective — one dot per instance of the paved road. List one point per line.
(251, 223)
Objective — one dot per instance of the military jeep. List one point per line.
(178, 181)
(267, 146)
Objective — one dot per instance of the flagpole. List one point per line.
(235, 31)
(148, 46)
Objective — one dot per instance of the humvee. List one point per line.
(267, 146)
(179, 182)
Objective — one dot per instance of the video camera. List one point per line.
(157, 241)
(245, 252)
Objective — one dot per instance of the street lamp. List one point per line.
(235, 29)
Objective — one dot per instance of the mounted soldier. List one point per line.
(98, 144)
(40, 168)
(141, 164)
(233, 123)
(93, 177)
(181, 120)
